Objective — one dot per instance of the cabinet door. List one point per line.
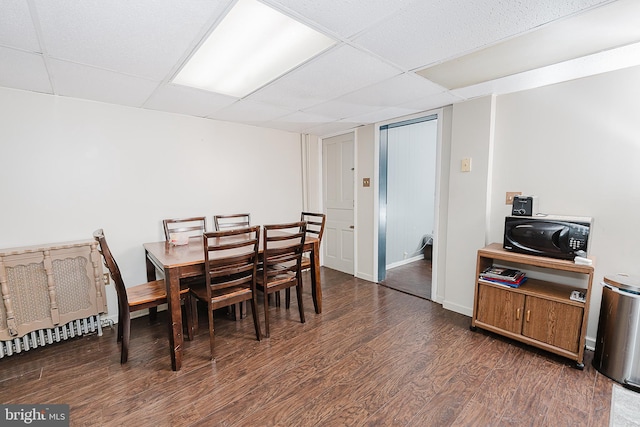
(553, 322)
(500, 308)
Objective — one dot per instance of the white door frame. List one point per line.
(380, 212)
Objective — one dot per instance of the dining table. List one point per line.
(183, 261)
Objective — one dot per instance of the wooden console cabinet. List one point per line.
(539, 312)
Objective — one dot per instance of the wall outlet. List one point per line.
(105, 278)
(511, 195)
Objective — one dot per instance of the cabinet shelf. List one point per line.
(539, 312)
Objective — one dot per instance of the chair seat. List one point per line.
(217, 295)
(153, 292)
(277, 281)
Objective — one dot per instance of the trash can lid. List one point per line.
(624, 282)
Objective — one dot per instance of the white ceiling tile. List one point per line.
(185, 100)
(339, 108)
(333, 128)
(144, 38)
(299, 121)
(397, 90)
(16, 27)
(249, 111)
(80, 81)
(335, 73)
(344, 17)
(442, 29)
(22, 70)
(383, 114)
(433, 101)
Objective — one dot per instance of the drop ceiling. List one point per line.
(392, 57)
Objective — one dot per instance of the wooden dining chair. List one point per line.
(231, 267)
(227, 222)
(281, 263)
(230, 222)
(192, 227)
(315, 227)
(134, 298)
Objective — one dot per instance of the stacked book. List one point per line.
(503, 276)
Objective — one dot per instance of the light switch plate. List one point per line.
(465, 165)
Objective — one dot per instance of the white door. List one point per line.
(338, 186)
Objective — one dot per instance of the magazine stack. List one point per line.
(503, 276)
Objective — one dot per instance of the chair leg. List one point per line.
(254, 313)
(186, 300)
(266, 313)
(211, 329)
(194, 314)
(126, 334)
(299, 295)
(153, 314)
(287, 298)
(120, 323)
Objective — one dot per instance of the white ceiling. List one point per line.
(127, 51)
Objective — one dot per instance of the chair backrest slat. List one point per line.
(193, 226)
(232, 221)
(315, 223)
(231, 257)
(283, 245)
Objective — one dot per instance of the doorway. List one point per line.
(407, 194)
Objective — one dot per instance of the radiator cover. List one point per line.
(46, 288)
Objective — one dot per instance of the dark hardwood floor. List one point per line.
(413, 278)
(374, 357)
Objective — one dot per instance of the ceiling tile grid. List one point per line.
(126, 52)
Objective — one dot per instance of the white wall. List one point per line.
(366, 197)
(471, 136)
(576, 145)
(69, 167)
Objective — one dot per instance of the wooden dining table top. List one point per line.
(168, 254)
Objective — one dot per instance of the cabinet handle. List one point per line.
(528, 315)
(518, 314)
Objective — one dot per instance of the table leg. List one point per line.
(316, 286)
(172, 281)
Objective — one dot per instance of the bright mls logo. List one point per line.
(37, 415)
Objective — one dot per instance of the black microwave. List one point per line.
(551, 236)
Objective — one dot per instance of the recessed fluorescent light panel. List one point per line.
(607, 27)
(251, 46)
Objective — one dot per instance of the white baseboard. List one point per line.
(467, 311)
(405, 262)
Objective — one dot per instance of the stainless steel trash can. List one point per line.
(617, 352)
